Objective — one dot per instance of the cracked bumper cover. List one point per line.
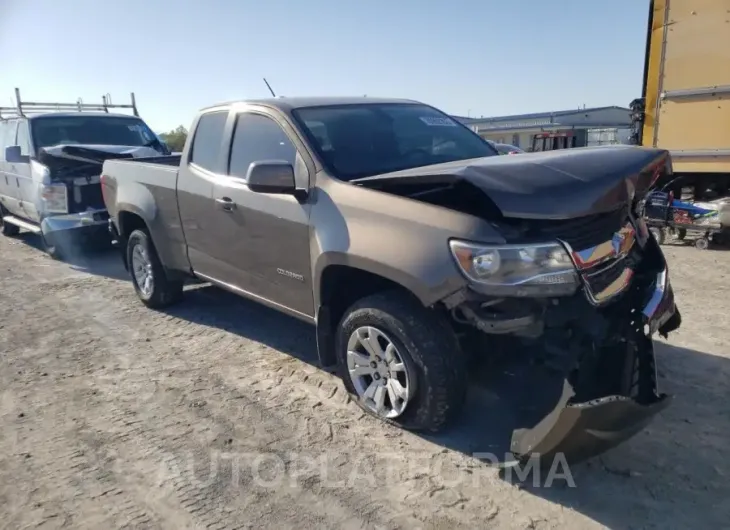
(581, 430)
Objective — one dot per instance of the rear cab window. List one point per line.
(208, 140)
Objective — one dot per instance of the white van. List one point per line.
(51, 156)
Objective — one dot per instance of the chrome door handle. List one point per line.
(226, 204)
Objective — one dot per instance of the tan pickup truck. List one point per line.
(411, 245)
(685, 103)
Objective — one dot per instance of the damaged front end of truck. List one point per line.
(72, 204)
(597, 383)
(577, 283)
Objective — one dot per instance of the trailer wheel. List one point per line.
(702, 243)
(658, 234)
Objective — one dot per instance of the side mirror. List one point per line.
(14, 156)
(271, 176)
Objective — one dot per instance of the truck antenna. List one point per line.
(269, 87)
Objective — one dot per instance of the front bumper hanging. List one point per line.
(91, 219)
(580, 429)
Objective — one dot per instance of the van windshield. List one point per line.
(362, 140)
(95, 130)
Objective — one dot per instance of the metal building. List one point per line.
(545, 131)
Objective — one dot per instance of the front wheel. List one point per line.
(7, 229)
(149, 277)
(401, 362)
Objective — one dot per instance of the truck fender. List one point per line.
(326, 317)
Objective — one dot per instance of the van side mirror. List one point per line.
(14, 156)
(271, 176)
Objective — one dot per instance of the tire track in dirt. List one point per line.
(290, 386)
(150, 401)
(139, 442)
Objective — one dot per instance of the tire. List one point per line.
(658, 234)
(432, 360)
(702, 243)
(161, 291)
(7, 229)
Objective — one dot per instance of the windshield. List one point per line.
(94, 130)
(356, 141)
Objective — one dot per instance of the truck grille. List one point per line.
(585, 232)
(602, 247)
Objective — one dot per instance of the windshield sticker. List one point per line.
(433, 121)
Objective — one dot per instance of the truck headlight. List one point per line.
(55, 198)
(543, 269)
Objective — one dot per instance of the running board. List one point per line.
(30, 227)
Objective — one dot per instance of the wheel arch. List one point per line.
(339, 285)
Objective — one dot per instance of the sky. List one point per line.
(466, 57)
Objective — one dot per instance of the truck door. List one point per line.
(195, 189)
(260, 241)
(28, 190)
(9, 183)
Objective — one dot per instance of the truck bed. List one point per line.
(143, 179)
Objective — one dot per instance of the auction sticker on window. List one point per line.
(436, 121)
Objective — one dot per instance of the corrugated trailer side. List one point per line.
(686, 92)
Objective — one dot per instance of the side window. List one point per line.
(208, 140)
(257, 138)
(7, 135)
(23, 138)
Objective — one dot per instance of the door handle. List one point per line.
(226, 203)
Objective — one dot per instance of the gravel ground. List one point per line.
(213, 415)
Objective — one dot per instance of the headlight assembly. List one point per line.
(55, 198)
(543, 269)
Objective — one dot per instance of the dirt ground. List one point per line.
(212, 415)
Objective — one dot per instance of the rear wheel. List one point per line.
(149, 277)
(401, 362)
(7, 229)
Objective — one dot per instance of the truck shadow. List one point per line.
(674, 470)
(99, 261)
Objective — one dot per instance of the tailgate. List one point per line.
(690, 58)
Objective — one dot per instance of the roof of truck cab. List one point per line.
(288, 104)
(73, 114)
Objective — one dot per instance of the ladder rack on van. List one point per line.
(24, 108)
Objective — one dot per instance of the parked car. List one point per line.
(409, 244)
(50, 160)
(506, 149)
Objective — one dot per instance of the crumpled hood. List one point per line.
(92, 153)
(560, 184)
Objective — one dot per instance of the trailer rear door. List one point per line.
(688, 84)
